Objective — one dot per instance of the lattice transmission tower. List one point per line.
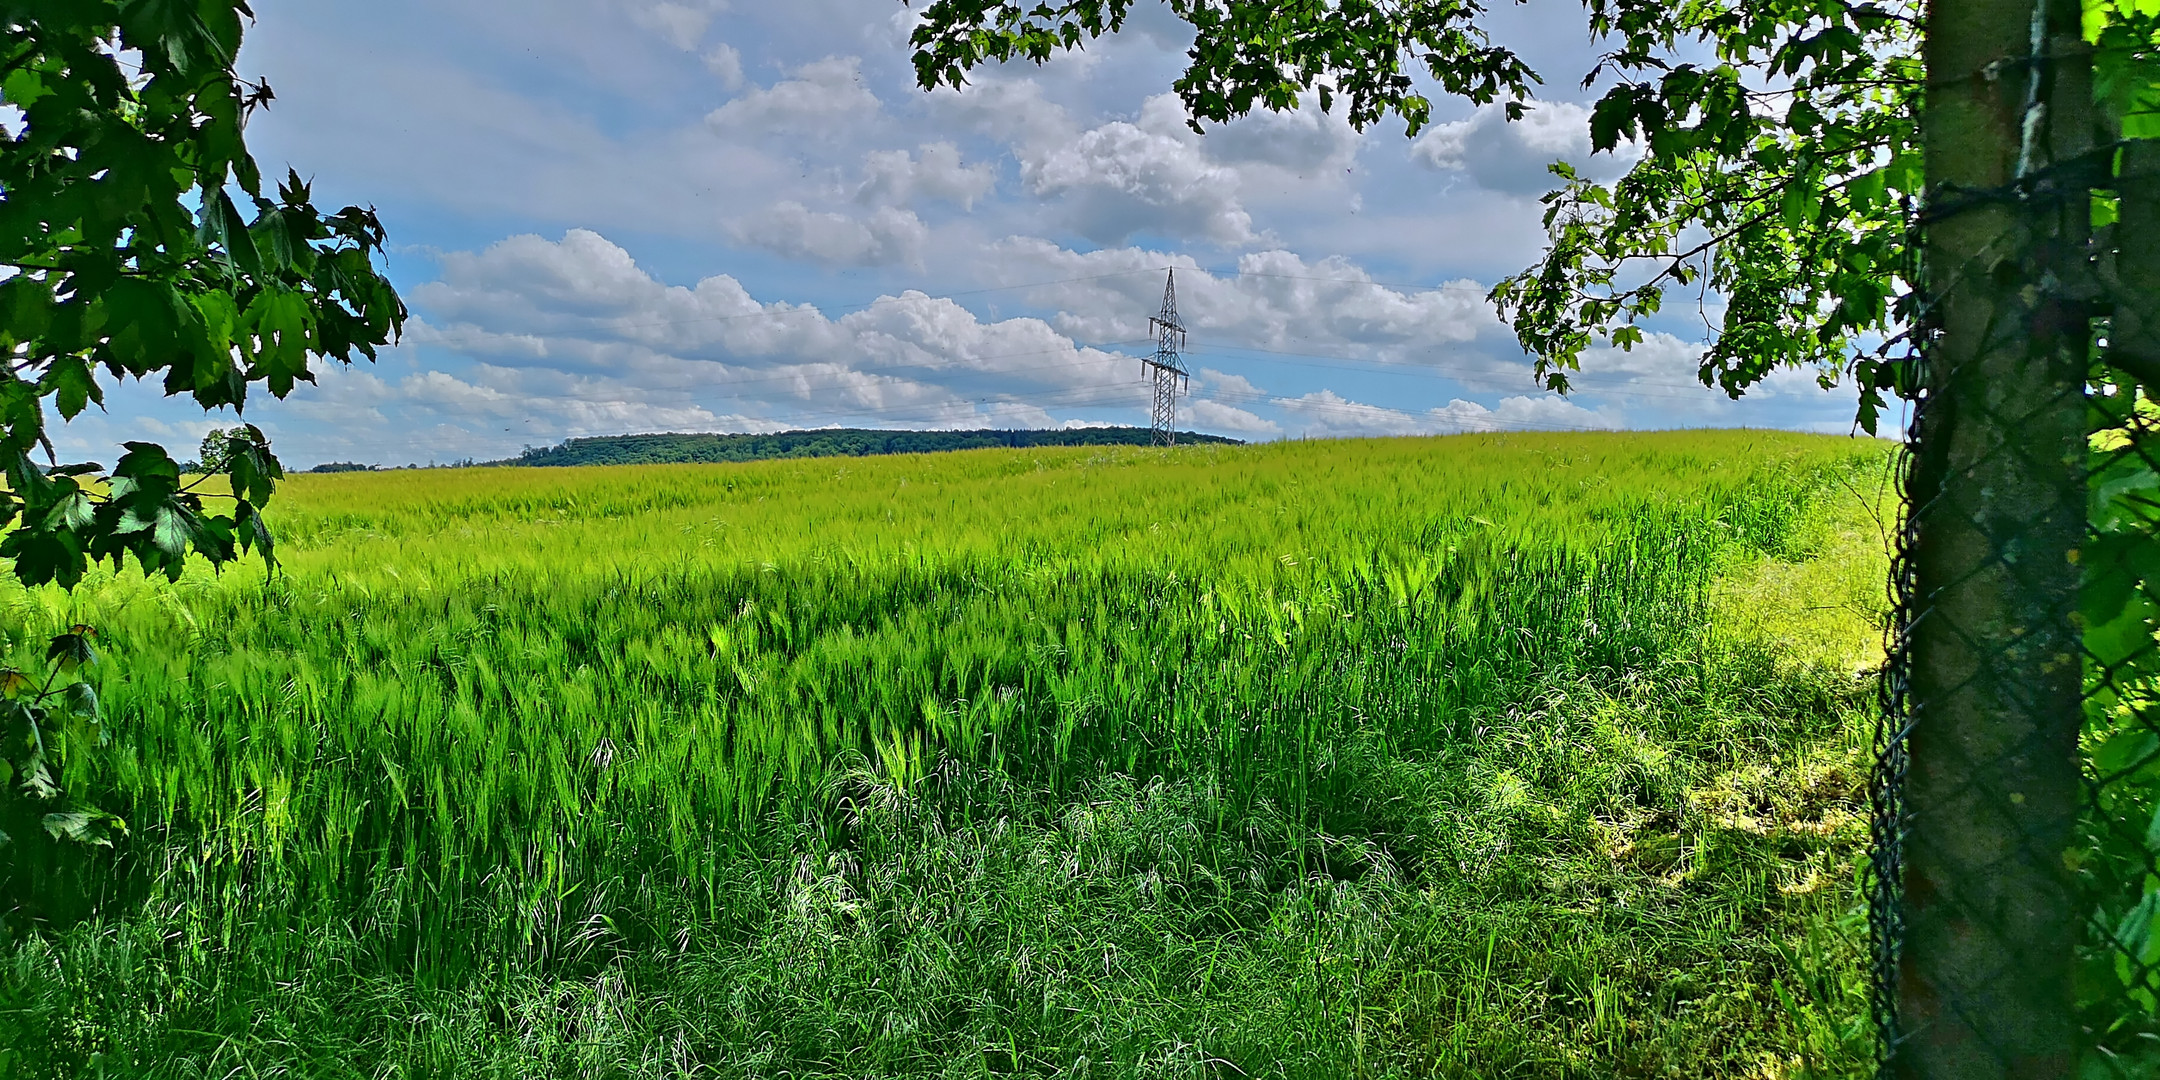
(1166, 368)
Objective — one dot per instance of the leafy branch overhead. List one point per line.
(138, 240)
(1775, 190)
(1249, 53)
(1778, 178)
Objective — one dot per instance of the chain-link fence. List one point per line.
(2016, 862)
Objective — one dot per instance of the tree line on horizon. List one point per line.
(671, 448)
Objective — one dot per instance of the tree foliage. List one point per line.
(48, 719)
(138, 240)
(1775, 186)
(1778, 180)
(1773, 183)
(2126, 63)
(125, 253)
(1248, 53)
(215, 454)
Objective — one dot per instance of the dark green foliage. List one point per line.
(124, 254)
(1780, 178)
(50, 726)
(1249, 53)
(217, 450)
(130, 257)
(2120, 613)
(2126, 66)
(827, 442)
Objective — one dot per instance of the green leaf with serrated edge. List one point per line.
(26, 309)
(147, 462)
(24, 87)
(72, 385)
(252, 532)
(1612, 118)
(173, 530)
(254, 472)
(71, 651)
(273, 240)
(37, 778)
(223, 225)
(83, 826)
(280, 322)
(147, 318)
(73, 511)
(82, 699)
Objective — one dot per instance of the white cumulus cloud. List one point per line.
(1121, 178)
(1324, 414)
(1515, 157)
(1216, 416)
(1208, 378)
(725, 62)
(934, 171)
(886, 236)
(682, 22)
(822, 94)
(909, 358)
(1272, 299)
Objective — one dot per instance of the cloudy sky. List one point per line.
(618, 216)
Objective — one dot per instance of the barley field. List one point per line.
(1478, 756)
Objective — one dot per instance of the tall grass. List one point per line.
(1412, 757)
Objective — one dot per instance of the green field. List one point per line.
(1481, 756)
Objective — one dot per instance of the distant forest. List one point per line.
(830, 442)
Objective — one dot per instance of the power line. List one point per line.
(1336, 360)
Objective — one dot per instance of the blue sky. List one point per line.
(617, 216)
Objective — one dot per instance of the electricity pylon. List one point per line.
(1166, 367)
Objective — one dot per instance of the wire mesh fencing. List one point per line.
(2015, 897)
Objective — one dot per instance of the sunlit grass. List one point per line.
(1496, 755)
